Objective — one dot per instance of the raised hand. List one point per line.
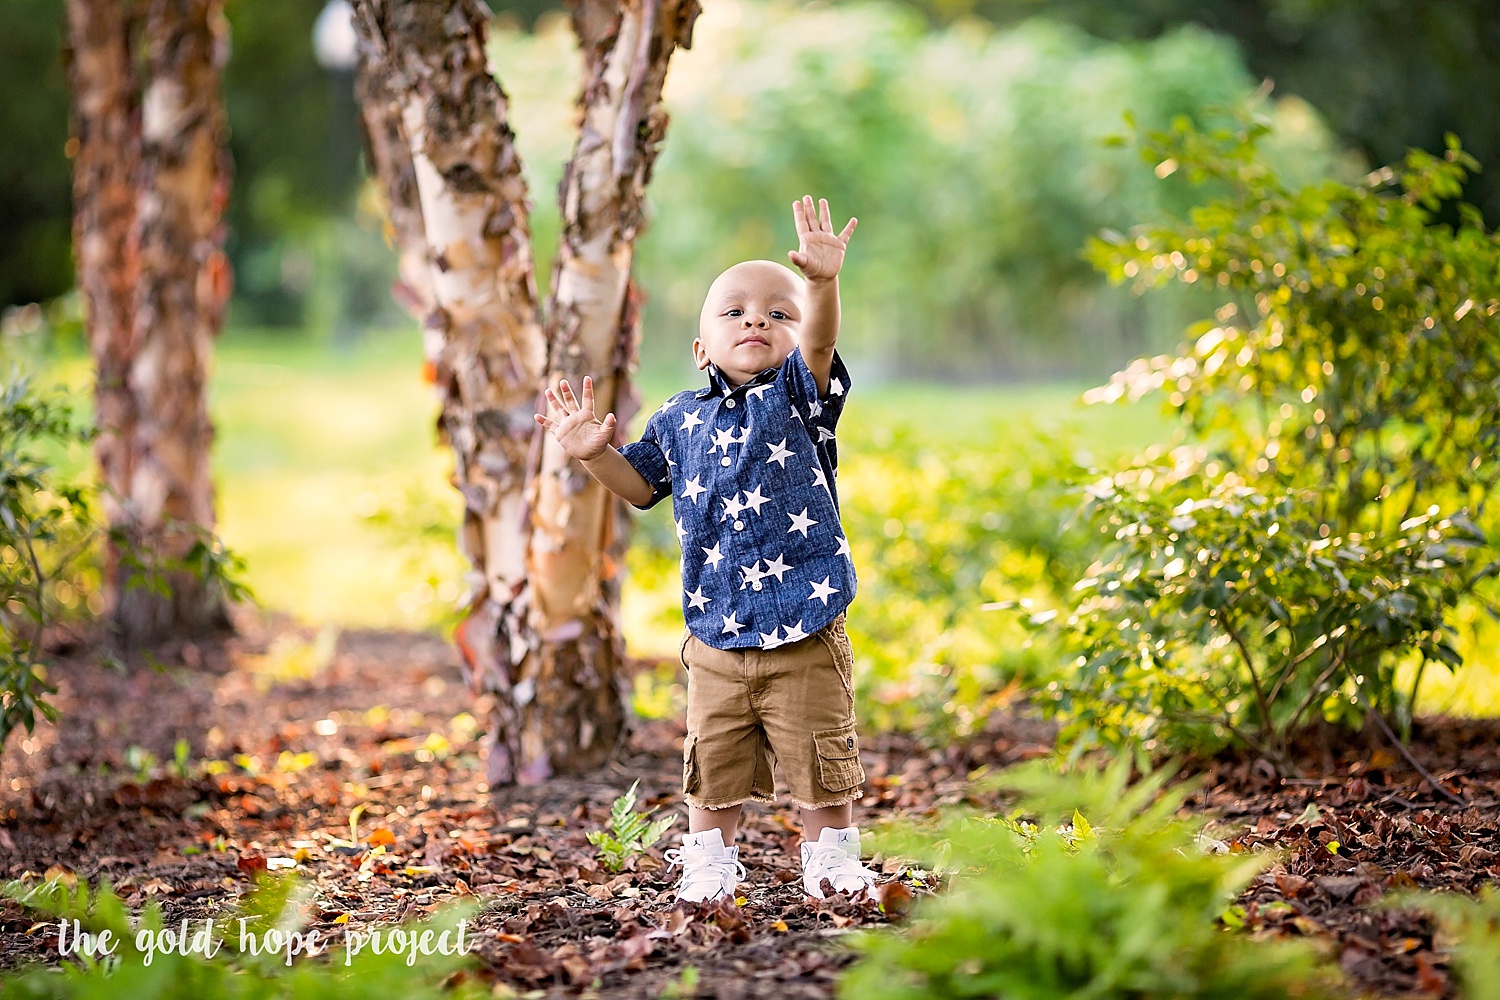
(820, 251)
(572, 421)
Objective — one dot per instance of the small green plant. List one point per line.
(629, 832)
(1123, 906)
(45, 525)
(684, 986)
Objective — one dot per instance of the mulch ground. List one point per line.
(380, 726)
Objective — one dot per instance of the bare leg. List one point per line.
(726, 821)
(814, 820)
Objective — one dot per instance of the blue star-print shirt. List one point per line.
(751, 472)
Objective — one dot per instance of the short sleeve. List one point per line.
(647, 457)
(819, 411)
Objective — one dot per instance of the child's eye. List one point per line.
(778, 314)
(735, 312)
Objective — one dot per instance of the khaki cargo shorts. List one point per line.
(751, 709)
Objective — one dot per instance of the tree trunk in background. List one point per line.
(183, 288)
(390, 161)
(574, 715)
(539, 640)
(491, 350)
(105, 149)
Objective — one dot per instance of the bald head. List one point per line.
(751, 278)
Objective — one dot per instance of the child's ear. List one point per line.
(700, 355)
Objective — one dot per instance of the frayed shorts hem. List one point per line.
(698, 803)
(854, 796)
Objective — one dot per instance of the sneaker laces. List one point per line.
(836, 863)
(698, 865)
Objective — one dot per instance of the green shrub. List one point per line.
(1216, 611)
(1473, 927)
(1122, 905)
(1350, 383)
(45, 527)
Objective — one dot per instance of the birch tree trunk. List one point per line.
(483, 332)
(571, 714)
(182, 292)
(105, 149)
(539, 639)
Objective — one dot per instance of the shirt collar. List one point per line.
(719, 386)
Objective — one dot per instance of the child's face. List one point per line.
(750, 320)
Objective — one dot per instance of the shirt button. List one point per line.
(755, 585)
(739, 526)
(729, 403)
(724, 460)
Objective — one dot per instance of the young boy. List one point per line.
(766, 570)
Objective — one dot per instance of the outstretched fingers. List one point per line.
(849, 229)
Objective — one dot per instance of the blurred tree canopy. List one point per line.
(1387, 75)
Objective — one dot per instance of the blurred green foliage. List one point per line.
(975, 160)
(1349, 388)
(1386, 75)
(1092, 888)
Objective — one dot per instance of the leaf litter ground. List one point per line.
(378, 733)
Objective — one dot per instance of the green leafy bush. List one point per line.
(1216, 611)
(629, 833)
(230, 974)
(1347, 392)
(45, 527)
(1124, 906)
(1473, 927)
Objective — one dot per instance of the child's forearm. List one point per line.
(619, 477)
(821, 329)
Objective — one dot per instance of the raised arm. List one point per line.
(820, 256)
(587, 439)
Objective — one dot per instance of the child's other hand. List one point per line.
(820, 251)
(577, 430)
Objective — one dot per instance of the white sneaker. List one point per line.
(709, 869)
(835, 857)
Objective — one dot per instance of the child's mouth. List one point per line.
(753, 339)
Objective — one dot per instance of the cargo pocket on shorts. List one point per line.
(690, 765)
(838, 758)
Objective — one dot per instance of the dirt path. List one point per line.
(381, 726)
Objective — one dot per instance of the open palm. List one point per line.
(571, 420)
(820, 251)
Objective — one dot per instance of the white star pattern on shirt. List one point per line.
(818, 478)
(668, 456)
(690, 420)
(750, 575)
(723, 438)
(777, 567)
(794, 632)
(758, 391)
(835, 388)
(815, 409)
(824, 434)
(800, 522)
(768, 640)
(697, 600)
(843, 549)
(681, 531)
(821, 591)
(693, 489)
(712, 556)
(795, 415)
(668, 405)
(780, 453)
(732, 625)
(732, 507)
(754, 499)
